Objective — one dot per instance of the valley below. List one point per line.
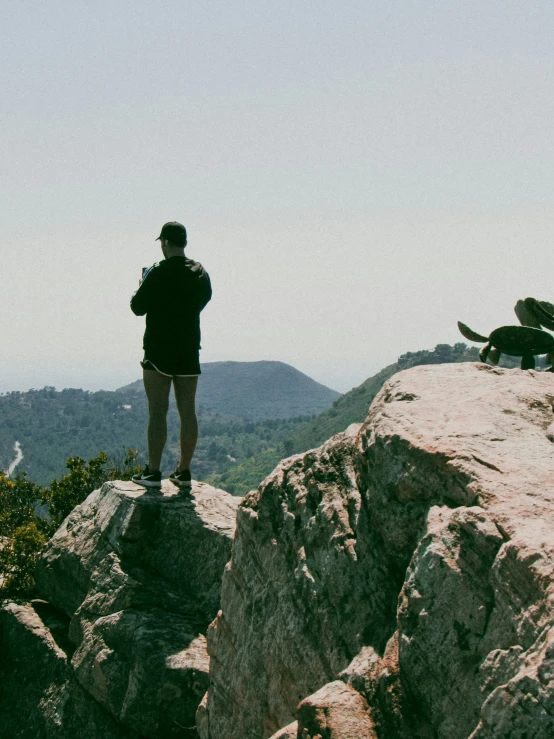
(251, 415)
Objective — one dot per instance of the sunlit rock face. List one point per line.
(130, 582)
(179, 542)
(396, 583)
(411, 559)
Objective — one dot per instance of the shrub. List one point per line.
(18, 498)
(23, 533)
(82, 478)
(18, 556)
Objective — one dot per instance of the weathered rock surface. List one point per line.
(181, 541)
(137, 576)
(413, 559)
(39, 696)
(287, 732)
(335, 711)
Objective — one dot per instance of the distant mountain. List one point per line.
(244, 409)
(239, 442)
(350, 408)
(256, 390)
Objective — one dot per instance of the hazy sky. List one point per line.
(355, 176)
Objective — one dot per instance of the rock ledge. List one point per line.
(132, 579)
(411, 559)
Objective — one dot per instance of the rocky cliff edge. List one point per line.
(116, 646)
(398, 581)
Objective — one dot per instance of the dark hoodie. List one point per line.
(172, 293)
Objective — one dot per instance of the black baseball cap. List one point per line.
(174, 232)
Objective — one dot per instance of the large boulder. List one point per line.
(135, 577)
(284, 629)
(39, 696)
(335, 711)
(180, 540)
(411, 558)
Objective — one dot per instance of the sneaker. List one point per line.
(148, 479)
(182, 479)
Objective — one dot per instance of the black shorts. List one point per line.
(186, 365)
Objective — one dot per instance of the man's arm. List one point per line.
(206, 290)
(202, 287)
(141, 300)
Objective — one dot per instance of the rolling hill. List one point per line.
(352, 407)
(256, 390)
(244, 409)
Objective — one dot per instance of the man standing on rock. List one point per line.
(172, 294)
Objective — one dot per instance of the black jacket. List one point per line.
(172, 293)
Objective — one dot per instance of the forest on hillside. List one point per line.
(52, 426)
(352, 407)
(234, 453)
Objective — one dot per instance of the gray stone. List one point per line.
(182, 539)
(335, 711)
(292, 585)
(135, 577)
(39, 695)
(412, 557)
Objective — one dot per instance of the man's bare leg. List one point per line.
(157, 387)
(185, 394)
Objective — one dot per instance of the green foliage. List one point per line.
(248, 474)
(82, 478)
(18, 557)
(24, 529)
(52, 426)
(22, 533)
(18, 498)
(225, 444)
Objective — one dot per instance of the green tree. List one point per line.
(23, 532)
(19, 554)
(18, 499)
(82, 478)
